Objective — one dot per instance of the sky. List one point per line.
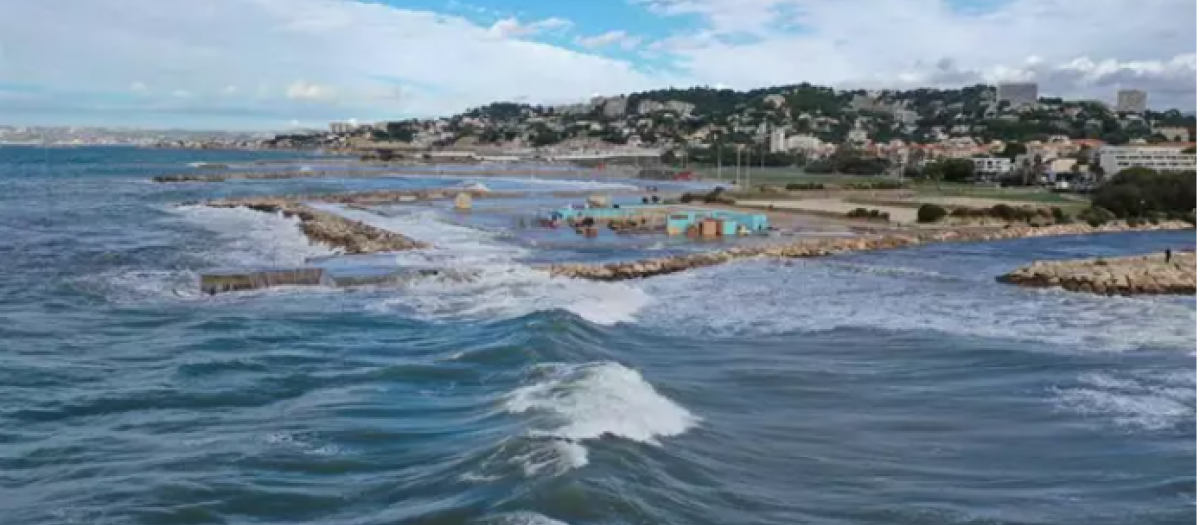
(280, 64)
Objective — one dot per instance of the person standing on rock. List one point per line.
(1168, 255)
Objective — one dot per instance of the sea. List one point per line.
(898, 387)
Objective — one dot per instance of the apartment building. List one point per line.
(1018, 93)
(1131, 101)
(1161, 157)
(992, 166)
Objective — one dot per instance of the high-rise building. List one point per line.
(1131, 101)
(1018, 93)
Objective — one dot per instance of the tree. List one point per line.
(951, 170)
(1013, 149)
(1142, 192)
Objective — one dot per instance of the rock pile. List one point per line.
(352, 237)
(828, 246)
(1138, 275)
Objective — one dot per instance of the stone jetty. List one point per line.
(1138, 275)
(353, 237)
(828, 246)
(360, 174)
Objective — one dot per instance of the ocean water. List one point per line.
(884, 388)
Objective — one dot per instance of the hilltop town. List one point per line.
(1004, 129)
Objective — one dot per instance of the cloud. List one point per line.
(301, 90)
(512, 28)
(617, 37)
(181, 93)
(368, 59)
(137, 87)
(890, 43)
(318, 60)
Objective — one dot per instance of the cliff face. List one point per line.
(1139, 275)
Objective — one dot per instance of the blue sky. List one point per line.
(275, 64)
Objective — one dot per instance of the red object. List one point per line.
(683, 175)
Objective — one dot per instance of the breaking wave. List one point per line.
(571, 404)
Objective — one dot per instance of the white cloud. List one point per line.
(751, 43)
(513, 28)
(617, 37)
(137, 87)
(301, 90)
(373, 60)
(181, 93)
(379, 62)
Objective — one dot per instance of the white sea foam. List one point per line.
(770, 298)
(1137, 401)
(500, 287)
(521, 518)
(570, 404)
(252, 238)
(243, 238)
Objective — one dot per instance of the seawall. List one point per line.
(829, 246)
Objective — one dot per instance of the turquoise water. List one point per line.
(892, 387)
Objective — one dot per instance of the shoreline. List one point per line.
(809, 248)
(355, 237)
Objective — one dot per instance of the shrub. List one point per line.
(1060, 217)
(1096, 216)
(931, 213)
(802, 186)
(1137, 192)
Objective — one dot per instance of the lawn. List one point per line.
(783, 176)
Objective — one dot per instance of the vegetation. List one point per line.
(804, 186)
(950, 170)
(931, 213)
(1007, 213)
(716, 196)
(1143, 192)
(1096, 216)
(886, 184)
(863, 213)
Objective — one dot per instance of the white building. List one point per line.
(1131, 101)
(992, 165)
(779, 142)
(1176, 134)
(1018, 93)
(1113, 159)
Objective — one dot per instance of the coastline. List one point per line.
(830, 246)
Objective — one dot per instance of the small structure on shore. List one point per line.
(462, 201)
(674, 220)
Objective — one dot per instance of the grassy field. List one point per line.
(783, 176)
(1032, 195)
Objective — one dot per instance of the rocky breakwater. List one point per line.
(666, 265)
(1138, 275)
(829, 246)
(350, 236)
